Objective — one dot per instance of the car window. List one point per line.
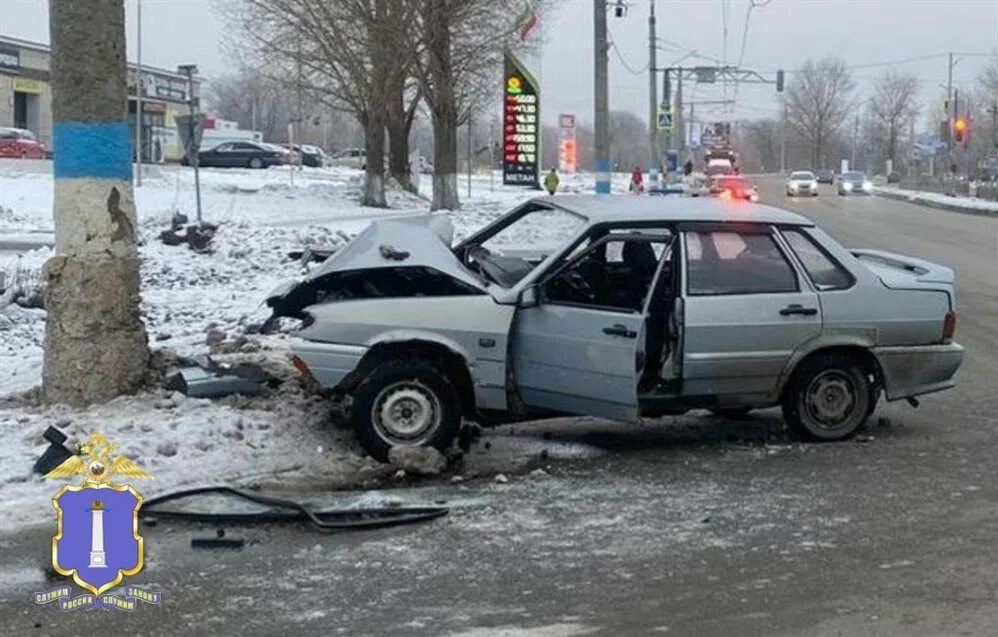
(736, 263)
(245, 146)
(802, 176)
(542, 229)
(224, 148)
(614, 274)
(824, 272)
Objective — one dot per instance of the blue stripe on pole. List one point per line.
(602, 176)
(97, 150)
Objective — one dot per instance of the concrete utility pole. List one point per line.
(652, 100)
(95, 342)
(678, 121)
(601, 118)
(138, 97)
(949, 106)
(994, 124)
(855, 136)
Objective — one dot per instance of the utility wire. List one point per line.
(623, 62)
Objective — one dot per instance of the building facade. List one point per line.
(26, 98)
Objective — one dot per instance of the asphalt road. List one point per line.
(692, 526)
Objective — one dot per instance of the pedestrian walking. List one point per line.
(551, 181)
(637, 181)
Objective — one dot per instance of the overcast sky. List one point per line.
(781, 34)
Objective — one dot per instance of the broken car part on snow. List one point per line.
(283, 510)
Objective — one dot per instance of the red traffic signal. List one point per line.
(960, 129)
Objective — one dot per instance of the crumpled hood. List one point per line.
(422, 240)
(406, 256)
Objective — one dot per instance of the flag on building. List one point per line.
(526, 21)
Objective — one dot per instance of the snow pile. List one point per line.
(939, 199)
(196, 303)
(284, 435)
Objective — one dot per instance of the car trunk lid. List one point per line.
(901, 272)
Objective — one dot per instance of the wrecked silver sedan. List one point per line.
(620, 308)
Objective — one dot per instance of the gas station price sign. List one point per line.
(521, 126)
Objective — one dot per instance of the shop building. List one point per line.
(26, 98)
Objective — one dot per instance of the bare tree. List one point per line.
(460, 45)
(343, 51)
(989, 78)
(894, 107)
(763, 135)
(95, 342)
(253, 99)
(817, 104)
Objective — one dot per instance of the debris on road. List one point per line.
(217, 542)
(424, 461)
(284, 510)
(56, 454)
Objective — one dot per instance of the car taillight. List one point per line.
(949, 326)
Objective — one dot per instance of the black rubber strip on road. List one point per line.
(290, 511)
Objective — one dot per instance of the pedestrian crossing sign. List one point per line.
(664, 118)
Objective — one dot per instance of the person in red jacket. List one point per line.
(637, 181)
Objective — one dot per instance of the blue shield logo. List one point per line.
(98, 540)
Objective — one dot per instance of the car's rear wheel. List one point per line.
(255, 163)
(828, 398)
(406, 402)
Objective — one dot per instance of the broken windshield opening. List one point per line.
(507, 250)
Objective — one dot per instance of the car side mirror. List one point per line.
(529, 297)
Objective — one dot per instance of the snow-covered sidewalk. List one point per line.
(282, 434)
(939, 200)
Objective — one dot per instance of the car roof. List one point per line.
(674, 208)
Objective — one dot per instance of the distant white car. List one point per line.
(802, 183)
(349, 158)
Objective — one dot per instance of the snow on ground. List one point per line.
(938, 198)
(262, 215)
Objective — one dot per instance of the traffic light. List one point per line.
(961, 130)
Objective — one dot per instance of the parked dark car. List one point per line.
(311, 155)
(239, 155)
(825, 176)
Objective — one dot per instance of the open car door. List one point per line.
(582, 347)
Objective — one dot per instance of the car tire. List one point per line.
(255, 163)
(405, 402)
(828, 398)
(731, 412)
(814, 194)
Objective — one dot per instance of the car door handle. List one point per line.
(620, 330)
(798, 309)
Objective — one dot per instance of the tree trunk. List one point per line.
(445, 162)
(95, 342)
(443, 105)
(398, 132)
(374, 147)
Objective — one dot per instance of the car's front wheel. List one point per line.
(255, 163)
(828, 398)
(406, 402)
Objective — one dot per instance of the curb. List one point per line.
(915, 199)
